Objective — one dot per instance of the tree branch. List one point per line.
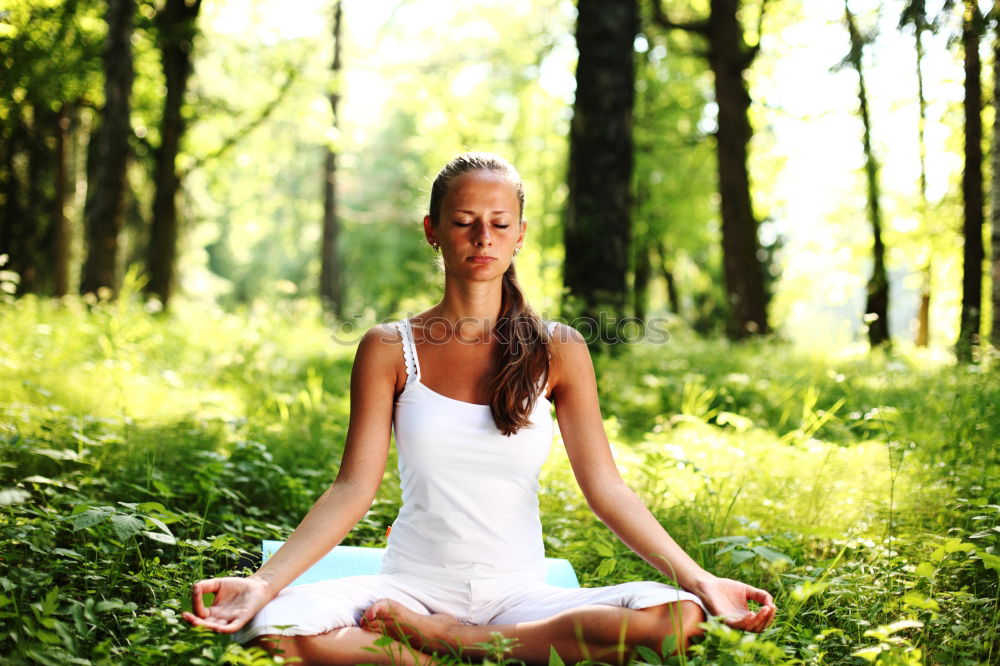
(238, 135)
(661, 19)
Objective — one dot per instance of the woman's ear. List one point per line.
(429, 230)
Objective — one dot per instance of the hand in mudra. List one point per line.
(237, 600)
(729, 600)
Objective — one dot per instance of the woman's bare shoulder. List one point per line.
(379, 345)
(383, 334)
(378, 360)
(569, 355)
(563, 335)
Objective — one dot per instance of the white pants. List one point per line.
(316, 608)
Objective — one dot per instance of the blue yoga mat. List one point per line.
(345, 561)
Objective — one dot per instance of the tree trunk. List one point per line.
(17, 225)
(972, 189)
(923, 316)
(923, 338)
(330, 283)
(106, 190)
(597, 232)
(176, 26)
(729, 58)
(877, 302)
(33, 262)
(60, 225)
(10, 212)
(667, 266)
(995, 194)
(642, 248)
(640, 278)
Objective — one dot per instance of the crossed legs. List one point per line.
(599, 633)
(347, 646)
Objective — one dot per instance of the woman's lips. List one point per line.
(481, 260)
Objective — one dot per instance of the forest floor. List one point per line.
(140, 452)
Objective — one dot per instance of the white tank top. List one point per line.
(470, 494)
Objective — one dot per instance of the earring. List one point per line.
(516, 250)
(437, 248)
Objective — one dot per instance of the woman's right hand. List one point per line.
(237, 600)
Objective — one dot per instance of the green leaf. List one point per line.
(989, 561)
(47, 637)
(61, 454)
(90, 516)
(606, 567)
(126, 526)
(956, 545)
(220, 542)
(770, 554)
(669, 645)
(51, 601)
(155, 507)
(739, 540)
(648, 655)
(926, 570)
(162, 488)
(160, 524)
(807, 590)
(738, 422)
(884, 631)
(741, 556)
(41, 479)
(917, 600)
(604, 549)
(869, 654)
(554, 658)
(161, 537)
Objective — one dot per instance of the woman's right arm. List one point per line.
(345, 502)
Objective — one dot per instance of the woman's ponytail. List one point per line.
(523, 366)
(523, 363)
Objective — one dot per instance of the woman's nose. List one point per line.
(482, 235)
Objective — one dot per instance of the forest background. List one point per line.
(776, 208)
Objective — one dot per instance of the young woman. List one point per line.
(467, 386)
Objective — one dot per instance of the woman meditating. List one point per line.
(467, 387)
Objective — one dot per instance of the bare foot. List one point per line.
(424, 632)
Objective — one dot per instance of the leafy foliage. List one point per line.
(142, 452)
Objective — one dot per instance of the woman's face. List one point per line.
(479, 225)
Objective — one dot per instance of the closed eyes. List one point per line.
(498, 225)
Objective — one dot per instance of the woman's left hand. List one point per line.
(729, 600)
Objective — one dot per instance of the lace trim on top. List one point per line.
(405, 328)
(409, 351)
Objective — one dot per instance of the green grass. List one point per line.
(140, 452)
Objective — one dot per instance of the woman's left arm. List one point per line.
(574, 391)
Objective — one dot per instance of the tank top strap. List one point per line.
(405, 329)
(542, 381)
(412, 362)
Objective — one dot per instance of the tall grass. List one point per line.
(141, 451)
